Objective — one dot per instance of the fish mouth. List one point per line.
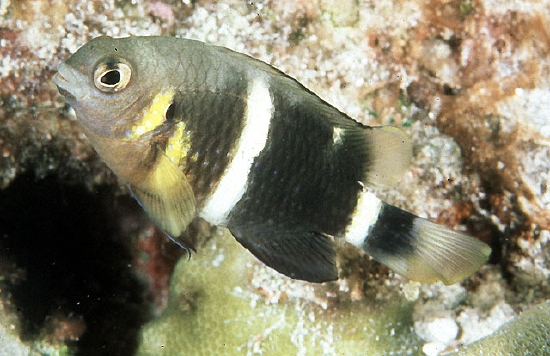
(69, 84)
(62, 85)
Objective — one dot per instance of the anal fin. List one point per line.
(421, 250)
(167, 197)
(298, 254)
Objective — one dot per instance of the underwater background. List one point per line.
(84, 272)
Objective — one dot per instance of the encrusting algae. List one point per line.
(222, 301)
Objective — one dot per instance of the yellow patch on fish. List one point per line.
(178, 144)
(154, 115)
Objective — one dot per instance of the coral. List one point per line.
(224, 301)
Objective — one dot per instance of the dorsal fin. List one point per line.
(387, 151)
(390, 153)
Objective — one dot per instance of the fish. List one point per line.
(197, 130)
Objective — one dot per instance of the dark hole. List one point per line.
(68, 259)
(171, 112)
(112, 77)
(450, 91)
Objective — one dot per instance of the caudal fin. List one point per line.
(421, 250)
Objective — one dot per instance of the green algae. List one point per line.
(215, 309)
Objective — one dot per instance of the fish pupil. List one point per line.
(111, 77)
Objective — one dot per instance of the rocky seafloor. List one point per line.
(83, 272)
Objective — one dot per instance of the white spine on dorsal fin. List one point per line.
(233, 183)
(363, 218)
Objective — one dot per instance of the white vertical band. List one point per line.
(364, 216)
(233, 183)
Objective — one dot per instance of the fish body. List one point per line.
(200, 130)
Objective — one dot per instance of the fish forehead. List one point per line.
(173, 61)
(178, 63)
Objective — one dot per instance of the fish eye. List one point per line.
(112, 77)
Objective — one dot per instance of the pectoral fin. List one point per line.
(167, 197)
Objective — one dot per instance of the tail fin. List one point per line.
(421, 250)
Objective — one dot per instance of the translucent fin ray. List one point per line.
(390, 153)
(167, 197)
(423, 251)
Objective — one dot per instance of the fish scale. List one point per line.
(199, 130)
(209, 148)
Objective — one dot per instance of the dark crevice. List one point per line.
(69, 262)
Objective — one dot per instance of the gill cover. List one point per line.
(127, 140)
